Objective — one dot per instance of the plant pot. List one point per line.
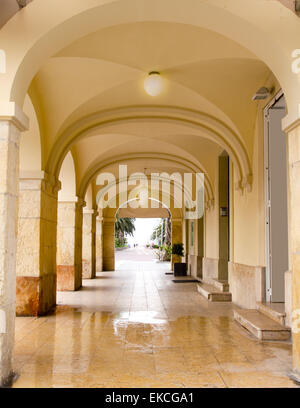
(179, 269)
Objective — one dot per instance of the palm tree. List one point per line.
(156, 232)
(168, 232)
(163, 232)
(124, 226)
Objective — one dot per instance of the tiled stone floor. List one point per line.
(136, 328)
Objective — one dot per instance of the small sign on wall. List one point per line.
(223, 211)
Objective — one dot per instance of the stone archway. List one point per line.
(41, 41)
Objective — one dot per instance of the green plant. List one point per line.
(163, 253)
(123, 227)
(158, 254)
(120, 243)
(162, 232)
(167, 249)
(177, 249)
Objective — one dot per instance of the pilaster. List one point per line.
(36, 244)
(69, 245)
(88, 244)
(108, 244)
(12, 123)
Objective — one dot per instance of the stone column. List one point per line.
(12, 123)
(294, 237)
(200, 245)
(196, 258)
(108, 244)
(36, 244)
(187, 240)
(69, 245)
(176, 237)
(99, 244)
(88, 244)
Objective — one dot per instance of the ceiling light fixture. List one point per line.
(153, 84)
(262, 93)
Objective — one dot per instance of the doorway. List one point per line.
(224, 241)
(276, 208)
(147, 240)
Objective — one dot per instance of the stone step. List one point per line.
(220, 285)
(211, 293)
(273, 311)
(260, 325)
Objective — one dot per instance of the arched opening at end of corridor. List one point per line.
(143, 238)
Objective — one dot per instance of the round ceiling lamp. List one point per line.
(153, 84)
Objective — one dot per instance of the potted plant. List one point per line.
(179, 267)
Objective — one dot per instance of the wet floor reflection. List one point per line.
(145, 331)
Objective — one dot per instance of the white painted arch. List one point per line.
(76, 19)
(205, 125)
(100, 166)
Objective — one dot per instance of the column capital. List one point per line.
(10, 112)
(33, 175)
(109, 220)
(245, 184)
(96, 212)
(33, 180)
(51, 180)
(176, 220)
(89, 211)
(77, 201)
(80, 202)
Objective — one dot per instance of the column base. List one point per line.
(295, 376)
(195, 265)
(210, 268)
(35, 296)
(66, 278)
(223, 270)
(175, 259)
(87, 272)
(108, 264)
(247, 284)
(9, 380)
